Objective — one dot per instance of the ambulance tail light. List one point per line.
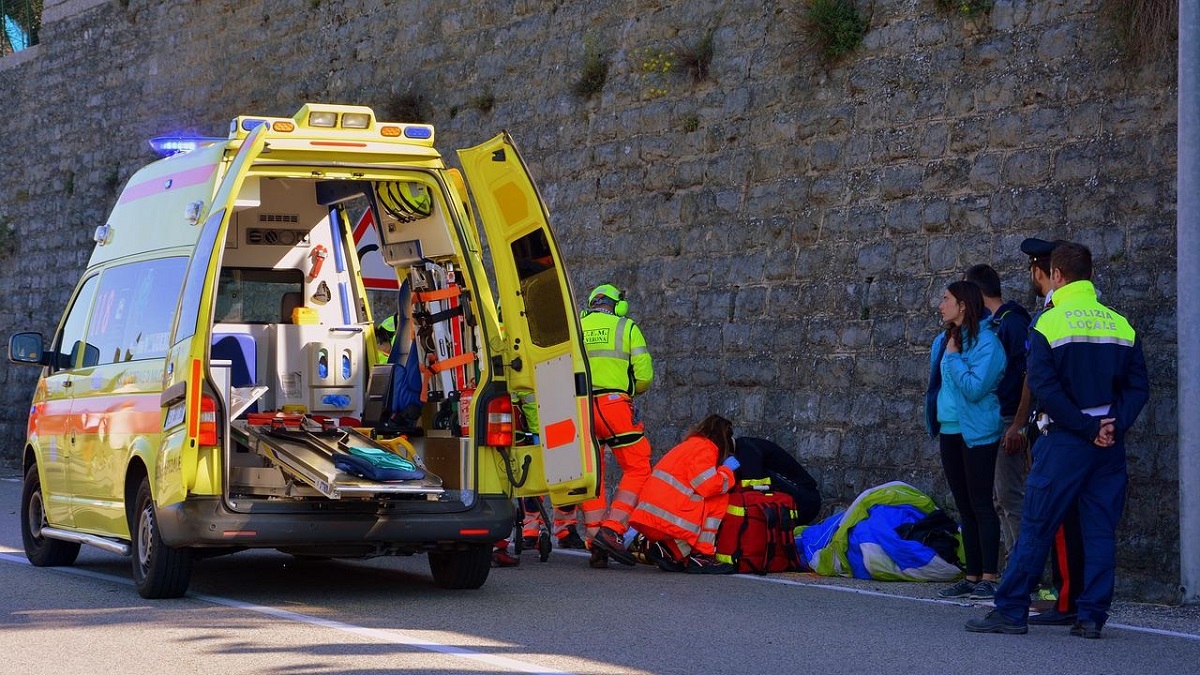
(499, 422)
(208, 421)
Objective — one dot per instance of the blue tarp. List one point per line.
(862, 541)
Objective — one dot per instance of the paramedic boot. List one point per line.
(610, 542)
(661, 557)
(698, 563)
(571, 540)
(599, 559)
(502, 558)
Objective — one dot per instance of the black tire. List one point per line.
(159, 571)
(463, 569)
(544, 546)
(41, 551)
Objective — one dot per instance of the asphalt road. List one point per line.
(265, 612)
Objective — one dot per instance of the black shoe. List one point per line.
(599, 560)
(1052, 617)
(529, 542)
(658, 554)
(707, 564)
(610, 542)
(995, 622)
(1086, 629)
(571, 540)
(961, 589)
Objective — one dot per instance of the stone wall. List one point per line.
(784, 226)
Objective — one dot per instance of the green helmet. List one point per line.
(612, 293)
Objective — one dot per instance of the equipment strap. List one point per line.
(452, 362)
(448, 293)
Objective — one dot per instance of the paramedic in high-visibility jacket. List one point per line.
(621, 369)
(1087, 369)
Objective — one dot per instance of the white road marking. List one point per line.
(398, 637)
(395, 637)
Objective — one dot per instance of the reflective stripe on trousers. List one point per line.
(615, 426)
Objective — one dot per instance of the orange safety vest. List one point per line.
(686, 494)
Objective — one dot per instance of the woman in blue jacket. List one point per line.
(962, 410)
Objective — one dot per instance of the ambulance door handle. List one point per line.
(346, 329)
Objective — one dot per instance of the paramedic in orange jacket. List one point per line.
(681, 505)
(621, 368)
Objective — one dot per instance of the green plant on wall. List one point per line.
(408, 106)
(835, 26)
(595, 70)
(8, 238)
(653, 66)
(1145, 29)
(695, 59)
(483, 102)
(967, 7)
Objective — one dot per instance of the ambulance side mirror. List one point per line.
(27, 348)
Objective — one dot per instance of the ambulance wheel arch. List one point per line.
(543, 349)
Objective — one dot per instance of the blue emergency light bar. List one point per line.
(165, 146)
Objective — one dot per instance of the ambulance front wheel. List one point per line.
(41, 551)
(159, 571)
(467, 568)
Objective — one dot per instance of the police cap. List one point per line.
(1037, 249)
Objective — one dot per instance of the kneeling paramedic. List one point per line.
(680, 507)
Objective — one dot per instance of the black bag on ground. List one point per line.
(938, 531)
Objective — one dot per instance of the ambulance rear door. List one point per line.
(545, 350)
(189, 425)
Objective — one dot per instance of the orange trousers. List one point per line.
(618, 426)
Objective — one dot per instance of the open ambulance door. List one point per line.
(545, 350)
(189, 453)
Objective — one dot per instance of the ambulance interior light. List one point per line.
(165, 146)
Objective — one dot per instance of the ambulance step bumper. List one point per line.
(110, 545)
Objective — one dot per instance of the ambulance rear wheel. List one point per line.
(463, 569)
(41, 551)
(159, 571)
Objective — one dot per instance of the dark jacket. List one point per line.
(1011, 323)
(761, 458)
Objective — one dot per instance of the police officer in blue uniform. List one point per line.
(1087, 370)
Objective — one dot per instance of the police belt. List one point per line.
(1045, 423)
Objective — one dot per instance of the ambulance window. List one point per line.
(246, 295)
(193, 288)
(70, 341)
(134, 309)
(541, 289)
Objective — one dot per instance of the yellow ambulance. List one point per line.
(217, 382)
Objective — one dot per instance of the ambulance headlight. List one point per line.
(321, 118)
(356, 121)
